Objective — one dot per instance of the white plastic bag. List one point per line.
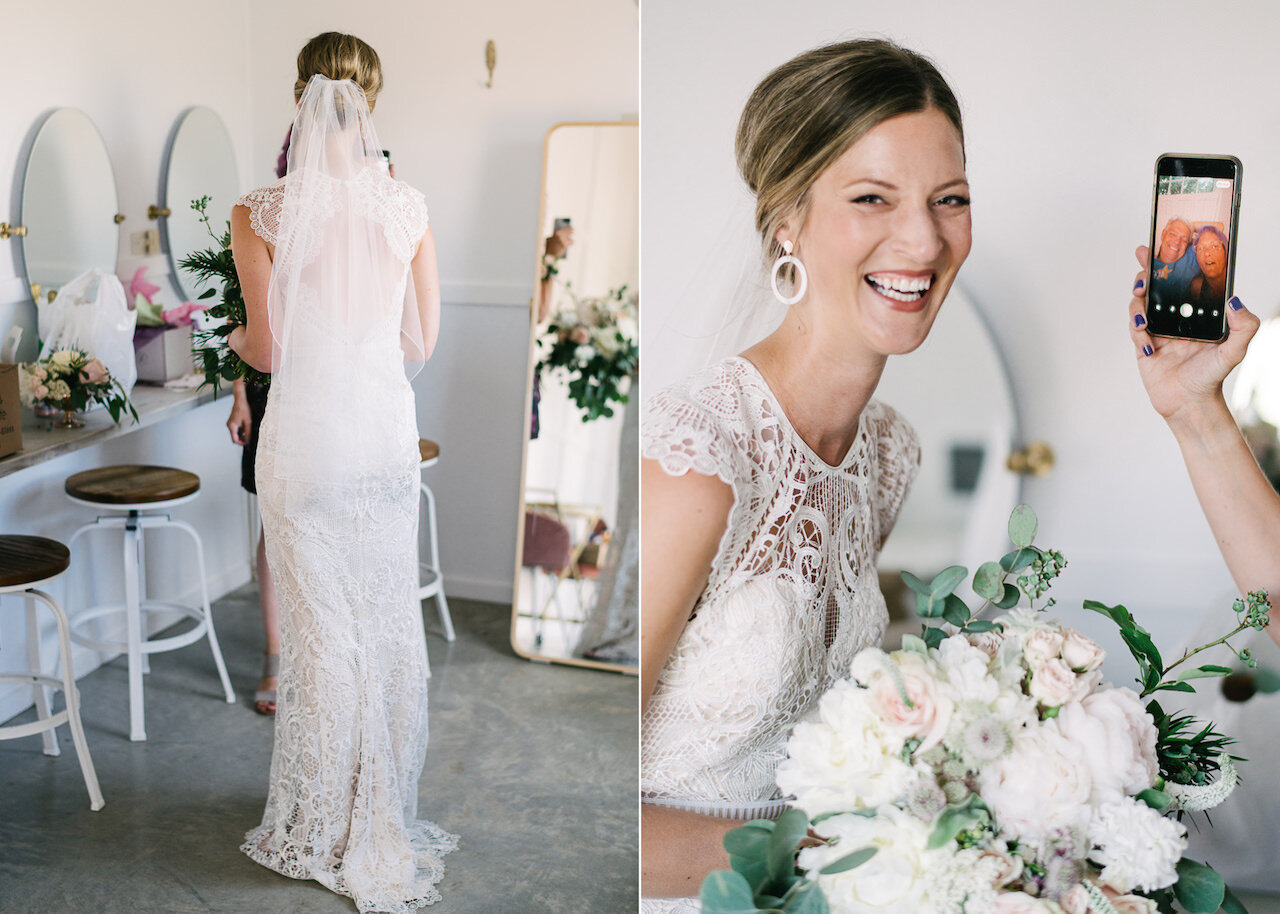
(90, 313)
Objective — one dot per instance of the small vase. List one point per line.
(69, 417)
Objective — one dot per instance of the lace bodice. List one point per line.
(792, 594)
(400, 209)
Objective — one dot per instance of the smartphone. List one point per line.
(1193, 245)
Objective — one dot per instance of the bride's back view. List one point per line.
(344, 301)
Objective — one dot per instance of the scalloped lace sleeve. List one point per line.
(683, 432)
(898, 462)
(265, 205)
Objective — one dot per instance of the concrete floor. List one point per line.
(534, 766)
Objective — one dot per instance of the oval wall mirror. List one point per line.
(200, 162)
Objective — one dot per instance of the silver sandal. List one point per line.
(264, 700)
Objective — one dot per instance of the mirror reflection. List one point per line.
(955, 392)
(577, 576)
(201, 162)
(69, 202)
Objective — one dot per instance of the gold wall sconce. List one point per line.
(156, 212)
(1035, 458)
(118, 218)
(9, 231)
(490, 60)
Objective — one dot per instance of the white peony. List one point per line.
(900, 879)
(966, 670)
(845, 759)
(1118, 739)
(1040, 786)
(1136, 846)
(63, 358)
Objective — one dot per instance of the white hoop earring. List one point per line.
(802, 278)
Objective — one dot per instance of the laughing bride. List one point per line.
(772, 479)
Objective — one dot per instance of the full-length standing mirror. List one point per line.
(200, 162)
(576, 593)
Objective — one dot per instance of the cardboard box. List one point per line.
(10, 411)
(165, 355)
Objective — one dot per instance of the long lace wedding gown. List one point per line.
(351, 724)
(792, 594)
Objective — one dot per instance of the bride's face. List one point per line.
(887, 230)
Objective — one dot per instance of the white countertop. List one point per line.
(154, 404)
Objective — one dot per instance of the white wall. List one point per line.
(134, 66)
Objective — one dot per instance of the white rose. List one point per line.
(1081, 654)
(896, 880)
(1041, 785)
(1118, 739)
(1134, 904)
(1041, 645)
(63, 358)
(928, 714)
(844, 760)
(1136, 846)
(1053, 683)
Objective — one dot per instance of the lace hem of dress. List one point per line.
(427, 841)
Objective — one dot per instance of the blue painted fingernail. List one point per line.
(1235, 303)
(1137, 285)
(1147, 350)
(1139, 320)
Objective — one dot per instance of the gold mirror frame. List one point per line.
(528, 398)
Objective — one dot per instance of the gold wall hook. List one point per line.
(118, 218)
(8, 231)
(53, 293)
(1035, 458)
(490, 60)
(35, 291)
(155, 212)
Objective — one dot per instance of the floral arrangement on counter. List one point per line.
(594, 343)
(69, 380)
(986, 767)
(212, 354)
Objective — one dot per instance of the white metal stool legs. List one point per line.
(434, 586)
(137, 646)
(70, 715)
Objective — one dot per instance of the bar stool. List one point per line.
(26, 563)
(432, 581)
(133, 490)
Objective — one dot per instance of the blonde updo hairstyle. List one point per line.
(340, 56)
(807, 112)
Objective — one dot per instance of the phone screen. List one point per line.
(1192, 246)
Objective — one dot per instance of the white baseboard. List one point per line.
(16, 698)
(486, 589)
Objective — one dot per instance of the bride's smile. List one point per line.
(886, 231)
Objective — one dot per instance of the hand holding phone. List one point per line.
(1193, 245)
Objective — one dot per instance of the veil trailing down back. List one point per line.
(337, 481)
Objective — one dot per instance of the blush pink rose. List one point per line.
(1130, 904)
(987, 642)
(580, 335)
(1053, 683)
(929, 714)
(94, 372)
(1075, 901)
(1041, 645)
(1019, 903)
(1080, 653)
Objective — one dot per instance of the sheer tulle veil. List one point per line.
(338, 277)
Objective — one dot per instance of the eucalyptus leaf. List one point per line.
(955, 611)
(1199, 889)
(915, 583)
(988, 581)
(934, 637)
(914, 643)
(726, 892)
(788, 831)
(850, 861)
(807, 899)
(927, 607)
(982, 625)
(1231, 904)
(753, 869)
(1265, 679)
(1022, 525)
(947, 580)
(752, 843)
(1156, 799)
(1010, 598)
(1019, 559)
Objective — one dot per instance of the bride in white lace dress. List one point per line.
(337, 267)
(771, 479)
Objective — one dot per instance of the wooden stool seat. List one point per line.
(128, 484)
(428, 449)
(28, 559)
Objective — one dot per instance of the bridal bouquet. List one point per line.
(985, 767)
(218, 361)
(594, 341)
(69, 380)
